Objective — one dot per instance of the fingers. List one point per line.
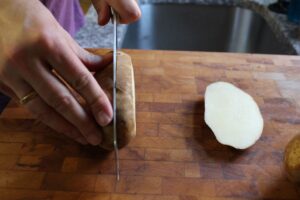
(57, 96)
(128, 10)
(91, 61)
(51, 118)
(45, 113)
(103, 11)
(71, 68)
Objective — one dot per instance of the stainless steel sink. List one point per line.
(202, 28)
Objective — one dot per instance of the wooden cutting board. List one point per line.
(175, 155)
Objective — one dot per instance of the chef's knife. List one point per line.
(115, 48)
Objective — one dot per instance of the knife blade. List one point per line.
(115, 48)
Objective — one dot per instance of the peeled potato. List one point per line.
(232, 115)
(292, 159)
(126, 119)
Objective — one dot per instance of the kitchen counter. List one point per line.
(92, 36)
(174, 155)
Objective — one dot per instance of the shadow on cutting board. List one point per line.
(4, 100)
(206, 141)
(59, 153)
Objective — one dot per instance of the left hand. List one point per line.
(128, 10)
(32, 46)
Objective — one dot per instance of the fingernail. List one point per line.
(94, 139)
(103, 118)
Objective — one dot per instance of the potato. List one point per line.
(232, 115)
(126, 117)
(292, 159)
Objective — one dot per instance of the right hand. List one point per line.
(32, 44)
(128, 10)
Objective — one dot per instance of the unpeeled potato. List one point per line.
(292, 159)
(126, 119)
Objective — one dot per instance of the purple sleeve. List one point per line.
(67, 12)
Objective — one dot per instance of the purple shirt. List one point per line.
(67, 12)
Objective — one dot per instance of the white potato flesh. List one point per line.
(232, 115)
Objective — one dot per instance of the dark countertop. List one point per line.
(93, 36)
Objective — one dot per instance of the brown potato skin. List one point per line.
(292, 166)
(126, 117)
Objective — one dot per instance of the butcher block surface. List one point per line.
(174, 156)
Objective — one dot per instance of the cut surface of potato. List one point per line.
(232, 115)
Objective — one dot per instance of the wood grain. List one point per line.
(175, 155)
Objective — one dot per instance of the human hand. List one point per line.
(128, 10)
(32, 46)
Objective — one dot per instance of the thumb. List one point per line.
(94, 62)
